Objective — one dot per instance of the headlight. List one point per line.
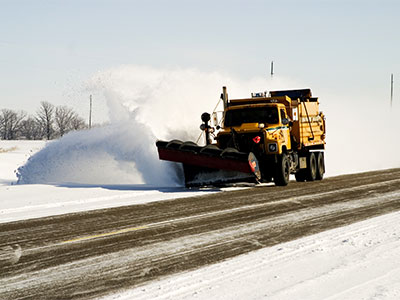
(272, 147)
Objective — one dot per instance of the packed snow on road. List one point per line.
(360, 261)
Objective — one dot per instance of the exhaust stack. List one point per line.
(224, 97)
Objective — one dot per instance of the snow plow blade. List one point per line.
(210, 165)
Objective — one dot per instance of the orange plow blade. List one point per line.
(210, 165)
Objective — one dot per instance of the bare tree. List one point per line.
(30, 129)
(4, 123)
(45, 117)
(49, 122)
(67, 119)
(10, 123)
(63, 118)
(77, 122)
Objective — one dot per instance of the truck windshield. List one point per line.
(237, 117)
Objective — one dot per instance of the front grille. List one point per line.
(246, 143)
(242, 141)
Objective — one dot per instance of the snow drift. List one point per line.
(146, 104)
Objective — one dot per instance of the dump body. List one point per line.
(285, 131)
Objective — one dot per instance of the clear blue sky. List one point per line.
(47, 48)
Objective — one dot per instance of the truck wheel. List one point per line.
(282, 171)
(311, 173)
(320, 166)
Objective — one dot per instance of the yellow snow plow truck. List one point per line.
(263, 138)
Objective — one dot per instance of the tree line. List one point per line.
(49, 122)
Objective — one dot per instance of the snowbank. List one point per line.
(14, 154)
(20, 202)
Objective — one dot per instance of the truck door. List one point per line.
(285, 129)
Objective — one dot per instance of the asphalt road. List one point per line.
(90, 254)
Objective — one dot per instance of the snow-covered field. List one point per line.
(360, 261)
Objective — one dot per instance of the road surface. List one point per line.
(90, 254)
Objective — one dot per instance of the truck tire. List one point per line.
(320, 166)
(282, 171)
(311, 171)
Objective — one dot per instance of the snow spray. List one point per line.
(145, 104)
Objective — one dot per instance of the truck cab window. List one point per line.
(283, 114)
(237, 117)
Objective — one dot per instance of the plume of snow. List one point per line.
(146, 104)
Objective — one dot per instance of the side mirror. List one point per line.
(285, 121)
(214, 118)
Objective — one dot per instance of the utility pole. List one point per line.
(90, 113)
(272, 68)
(391, 90)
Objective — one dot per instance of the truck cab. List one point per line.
(262, 128)
(285, 130)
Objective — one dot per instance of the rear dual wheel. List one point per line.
(315, 168)
(311, 171)
(320, 165)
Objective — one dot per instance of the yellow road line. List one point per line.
(105, 234)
